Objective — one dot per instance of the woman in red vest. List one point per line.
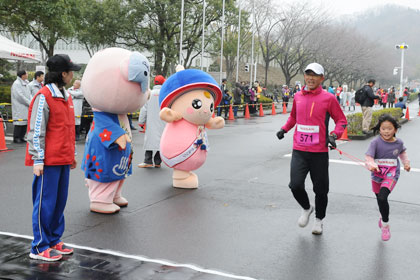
(51, 151)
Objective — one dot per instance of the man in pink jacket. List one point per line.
(312, 109)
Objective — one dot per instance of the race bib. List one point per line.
(387, 168)
(307, 135)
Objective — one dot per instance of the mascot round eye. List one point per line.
(211, 107)
(145, 73)
(196, 103)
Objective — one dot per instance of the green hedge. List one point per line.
(412, 96)
(355, 120)
(5, 91)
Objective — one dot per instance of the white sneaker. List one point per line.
(317, 228)
(304, 217)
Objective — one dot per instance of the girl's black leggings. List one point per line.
(382, 198)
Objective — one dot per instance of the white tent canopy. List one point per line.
(15, 51)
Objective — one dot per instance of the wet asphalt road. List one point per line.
(242, 219)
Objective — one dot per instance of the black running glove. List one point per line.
(280, 134)
(331, 141)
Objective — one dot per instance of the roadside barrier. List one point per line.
(261, 111)
(3, 147)
(231, 117)
(407, 113)
(247, 116)
(344, 136)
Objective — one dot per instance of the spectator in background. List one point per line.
(401, 104)
(149, 115)
(225, 100)
(391, 98)
(247, 94)
(21, 98)
(285, 95)
(276, 94)
(296, 89)
(345, 98)
(338, 94)
(405, 94)
(87, 118)
(384, 97)
(331, 90)
(367, 105)
(36, 84)
(253, 100)
(237, 93)
(77, 96)
(258, 90)
(352, 99)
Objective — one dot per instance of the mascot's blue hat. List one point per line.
(187, 80)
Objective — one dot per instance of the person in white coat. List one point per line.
(21, 98)
(149, 115)
(36, 84)
(77, 96)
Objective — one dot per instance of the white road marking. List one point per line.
(8, 138)
(356, 163)
(141, 258)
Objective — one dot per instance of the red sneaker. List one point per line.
(48, 255)
(63, 249)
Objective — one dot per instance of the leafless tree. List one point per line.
(301, 20)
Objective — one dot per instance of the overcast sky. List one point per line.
(355, 6)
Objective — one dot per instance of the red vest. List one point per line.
(60, 132)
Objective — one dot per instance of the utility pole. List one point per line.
(202, 39)
(402, 47)
(221, 45)
(180, 35)
(252, 43)
(239, 39)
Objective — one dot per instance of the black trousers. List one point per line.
(19, 132)
(382, 198)
(148, 155)
(317, 166)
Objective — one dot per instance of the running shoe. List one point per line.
(48, 255)
(386, 233)
(62, 248)
(145, 165)
(317, 228)
(304, 217)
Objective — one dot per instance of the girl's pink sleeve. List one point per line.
(370, 162)
(404, 158)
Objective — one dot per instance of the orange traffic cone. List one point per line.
(3, 147)
(231, 117)
(273, 109)
(344, 136)
(284, 108)
(419, 113)
(247, 116)
(261, 110)
(407, 114)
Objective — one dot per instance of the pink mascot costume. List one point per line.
(187, 101)
(115, 83)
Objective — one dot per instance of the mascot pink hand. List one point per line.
(122, 141)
